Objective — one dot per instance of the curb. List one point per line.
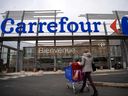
(112, 84)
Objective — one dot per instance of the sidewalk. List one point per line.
(58, 72)
(101, 73)
(114, 78)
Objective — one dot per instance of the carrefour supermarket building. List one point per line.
(44, 40)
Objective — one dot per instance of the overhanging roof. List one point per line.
(32, 15)
(98, 16)
(121, 13)
(25, 38)
(105, 16)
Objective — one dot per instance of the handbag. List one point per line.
(93, 66)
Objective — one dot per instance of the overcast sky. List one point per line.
(71, 8)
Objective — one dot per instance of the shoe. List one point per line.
(95, 94)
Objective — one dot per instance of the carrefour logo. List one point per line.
(124, 26)
(63, 25)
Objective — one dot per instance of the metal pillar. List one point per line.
(72, 44)
(2, 35)
(55, 56)
(90, 41)
(124, 51)
(18, 67)
(126, 54)
(36, 48)
(126, 46)
(108, 48)
(8, 58)
(118, 18)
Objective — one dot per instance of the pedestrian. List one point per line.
(86, 62)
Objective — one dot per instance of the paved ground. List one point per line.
(118, 76)
(55, 85)
(114, 76)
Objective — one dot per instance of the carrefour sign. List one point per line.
(52, 27)
(62, 26)
(124, 24)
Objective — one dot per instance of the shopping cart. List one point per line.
(69, 73)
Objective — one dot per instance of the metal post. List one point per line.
(105, 29)
(36, 48)
(17, 55)
(122, 53)
(122, 42)
(8, 57)
(2, 35)
(126, 53)
(18, 49)
(21, 60)
(55, 57)
(118, 18)
(72, 44)
(90, 42)
(108, 47)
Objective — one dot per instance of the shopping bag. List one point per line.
(93, 66)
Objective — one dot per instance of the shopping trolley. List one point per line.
(69, 73)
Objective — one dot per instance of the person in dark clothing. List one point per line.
(87, 60)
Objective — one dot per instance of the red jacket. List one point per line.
(76, 66)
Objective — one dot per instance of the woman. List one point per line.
(87, 60)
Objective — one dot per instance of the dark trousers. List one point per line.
(87, 75)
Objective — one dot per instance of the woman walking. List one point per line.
(87, 60)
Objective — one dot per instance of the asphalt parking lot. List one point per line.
(50, 85)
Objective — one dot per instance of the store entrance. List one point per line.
(106, 54)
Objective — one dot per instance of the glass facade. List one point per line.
(50, 57)
(9, 59)
(104, 58)
(28, 59)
